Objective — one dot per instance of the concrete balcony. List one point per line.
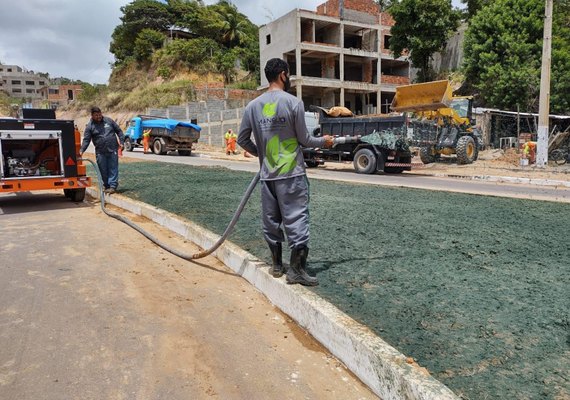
(317, 82)
(320, 47)
(360, 53)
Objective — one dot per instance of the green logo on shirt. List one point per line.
(269, 109)
(281, 157)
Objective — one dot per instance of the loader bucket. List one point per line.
(428, 96)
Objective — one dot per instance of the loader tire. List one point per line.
(365, 161)
(427, 155)
(466, 150)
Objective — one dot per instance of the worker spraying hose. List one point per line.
(153, 239)
(277, 121)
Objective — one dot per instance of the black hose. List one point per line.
(153, 239)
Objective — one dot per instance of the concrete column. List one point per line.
(328, 98)
(341, 97)
(341, 67)
(378, 101)
(300, 92)
(298, 61)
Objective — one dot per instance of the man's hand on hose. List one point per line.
(329, 141)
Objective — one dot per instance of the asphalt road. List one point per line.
(89, 309)
(345, 172)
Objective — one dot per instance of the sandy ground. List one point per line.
(90, 309)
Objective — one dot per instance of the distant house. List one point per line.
(20, 83)
(60, 95)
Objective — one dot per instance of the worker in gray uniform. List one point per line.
(277, 121)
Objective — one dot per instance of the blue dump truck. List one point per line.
(165, 134)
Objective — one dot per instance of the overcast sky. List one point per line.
(71, 38)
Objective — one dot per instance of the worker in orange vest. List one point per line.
(146, 140)
(529, 151)
(231, 140)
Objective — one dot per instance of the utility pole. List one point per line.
(544, 106)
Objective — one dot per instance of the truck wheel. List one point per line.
(76, 195)
(128, 145)
(365, 161)
(466, 150)
(311, 163)
(184, 152)
(158, 146)
(427, 155)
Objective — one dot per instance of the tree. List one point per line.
(148, 40)
(503, 55)
(138, 15)
(422, 27)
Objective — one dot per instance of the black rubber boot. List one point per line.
(277, 270)
(297, 272)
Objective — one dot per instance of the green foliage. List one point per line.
(91, 92)
(422, 28)
(219, 36)
(560, 84)
(162, 95)
(189, 52)
(138, 15)
(503, 55)
(245, 85)
(164, 72)
(148, 40)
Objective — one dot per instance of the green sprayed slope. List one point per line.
(474, 288)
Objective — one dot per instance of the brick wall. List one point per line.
(395, 80)
(367, 6)
(367, 72)
(386, 19)
(307, 31)
(328, 65)
(332, 7)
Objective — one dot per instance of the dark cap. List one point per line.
(95, 110)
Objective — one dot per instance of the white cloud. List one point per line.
(62, 37)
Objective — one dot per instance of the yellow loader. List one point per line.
(441, 123)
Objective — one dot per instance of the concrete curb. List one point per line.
(380, 366)
(506, 179)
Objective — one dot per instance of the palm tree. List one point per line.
(233, 28)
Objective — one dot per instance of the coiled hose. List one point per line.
(166, 247)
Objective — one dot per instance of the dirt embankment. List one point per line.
(82, 117)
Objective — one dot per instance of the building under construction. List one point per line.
(338, 55)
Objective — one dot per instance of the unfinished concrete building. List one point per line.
(337, 56)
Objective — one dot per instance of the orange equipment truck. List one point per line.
(39, 152)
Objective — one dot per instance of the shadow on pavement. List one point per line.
(25, 202)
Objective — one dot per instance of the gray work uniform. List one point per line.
(277, 121)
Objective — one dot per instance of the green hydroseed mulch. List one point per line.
(476, 289)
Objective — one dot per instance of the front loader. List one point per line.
(441, 123)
